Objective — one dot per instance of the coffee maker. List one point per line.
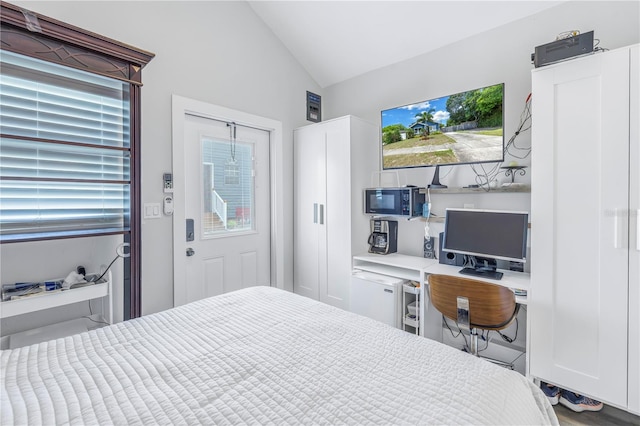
(384, 236)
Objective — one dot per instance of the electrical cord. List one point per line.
(523, 125)
(444, 319)
(97, 322)
(573, 33)
(105, 271)
(596, 47)
(486, 340)
(507, 338)
(483, 336)
(446, 174)
(460, 333)
(427, 236)
(469, 261)
(91, 314)
(567, 34)
(232, 139)
(119, 253)
(484, 178)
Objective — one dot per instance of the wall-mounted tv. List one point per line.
(463, 128)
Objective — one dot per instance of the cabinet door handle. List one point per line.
(622, 229)
(615, 228)
(638, 229)
(315, 212)
(321, 214)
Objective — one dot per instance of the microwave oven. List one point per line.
(406, 201)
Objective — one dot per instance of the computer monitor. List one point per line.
(487, 236)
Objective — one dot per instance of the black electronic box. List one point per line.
(562, 49)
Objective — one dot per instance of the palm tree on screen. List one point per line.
(425, 117)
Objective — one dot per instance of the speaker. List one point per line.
(448, 258)
(429, 248)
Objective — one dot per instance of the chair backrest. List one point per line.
(491, 306)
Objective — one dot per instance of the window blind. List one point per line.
(64, 150)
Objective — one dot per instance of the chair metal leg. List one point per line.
(474, 342)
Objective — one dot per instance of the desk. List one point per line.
(415, 268)
(418, 269)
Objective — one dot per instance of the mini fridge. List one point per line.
(377, 296)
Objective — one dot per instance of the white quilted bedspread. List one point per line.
(259, 356)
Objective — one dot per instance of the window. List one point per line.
(64, 151)
(70, 136)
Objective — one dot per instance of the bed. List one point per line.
(259, 356)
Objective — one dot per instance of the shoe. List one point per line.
(579, 403)
(552, 392)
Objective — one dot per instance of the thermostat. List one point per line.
(313, 107)
(167, 182)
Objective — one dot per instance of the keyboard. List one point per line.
(483, 273)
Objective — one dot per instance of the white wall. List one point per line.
(501, 55)
(231, 59)
(217, 52)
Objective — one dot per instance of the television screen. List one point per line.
(462, 128)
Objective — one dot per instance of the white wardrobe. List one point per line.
(584, 301)
(333, 163)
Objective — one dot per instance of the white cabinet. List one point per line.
(634, 234)
(333, 162)
(583, 301)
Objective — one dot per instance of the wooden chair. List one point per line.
(491, 306)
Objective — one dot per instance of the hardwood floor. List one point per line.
(609, 416)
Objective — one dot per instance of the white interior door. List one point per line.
(226, 206)
(201, 275)
(227, 197)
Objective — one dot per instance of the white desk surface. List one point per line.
(398, 260)
(511, 279)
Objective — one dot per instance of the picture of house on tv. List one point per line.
(462, 128)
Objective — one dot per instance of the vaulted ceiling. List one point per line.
(339, 40)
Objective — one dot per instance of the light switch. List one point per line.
(152, 210)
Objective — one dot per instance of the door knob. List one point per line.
(190, 251)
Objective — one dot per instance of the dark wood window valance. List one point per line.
(45, 38)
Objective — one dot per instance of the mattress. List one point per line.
(259, 356)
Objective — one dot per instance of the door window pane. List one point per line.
(228, 186)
